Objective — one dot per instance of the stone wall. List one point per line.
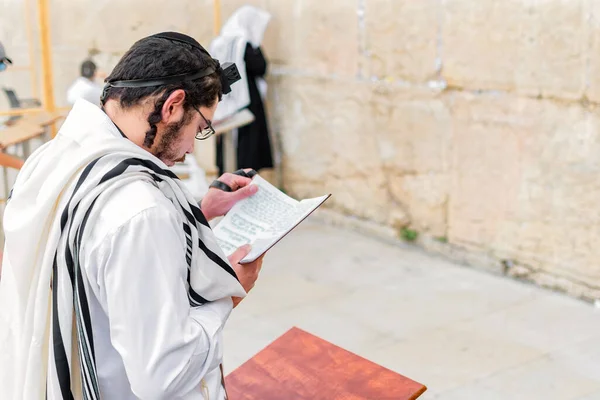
(474, 123)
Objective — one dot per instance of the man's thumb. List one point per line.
(240, 253)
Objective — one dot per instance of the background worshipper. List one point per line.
(141, 290)
(85, 87)
(239, 42)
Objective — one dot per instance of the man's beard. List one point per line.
(166, 149)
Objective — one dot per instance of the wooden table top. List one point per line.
(301, 366)
(43, 118)
(27, 127)
(19, 132)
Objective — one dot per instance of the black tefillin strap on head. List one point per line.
(228, 72)
(217, 184)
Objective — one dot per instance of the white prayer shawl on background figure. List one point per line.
(47, 336)
(246, 25)
(84, 88)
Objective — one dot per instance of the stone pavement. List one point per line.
(464, 333)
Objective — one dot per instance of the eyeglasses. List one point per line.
(206, 132)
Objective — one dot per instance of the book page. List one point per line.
(262, 219)
(267, 239)
(254, 216)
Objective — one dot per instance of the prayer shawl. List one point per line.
(46, 341)
(246, 25)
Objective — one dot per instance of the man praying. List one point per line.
(113, 284)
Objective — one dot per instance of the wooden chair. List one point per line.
(16, 103)
(10, 161)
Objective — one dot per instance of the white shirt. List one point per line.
(84, 88)
(149, 342)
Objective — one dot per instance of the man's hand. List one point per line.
(217, 202)
(246, 273)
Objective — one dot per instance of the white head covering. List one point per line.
(249, 22)
(246, 25)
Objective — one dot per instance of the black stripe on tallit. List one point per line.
(196, 215)
(188, 242)
(60, 356)
(85, 174)
(195, 298)
(82, 295)
(199, 215)
(193, 294)
(89, 354)
(129, 162)
(68, 254)
(65, 214)
(216, 259)
(189, 216)
(122, 166)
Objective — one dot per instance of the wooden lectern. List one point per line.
(300, 366)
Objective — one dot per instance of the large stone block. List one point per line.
(230, 6)
(13, 24)
(114, 26)
(412, 127)
(413, 131)
(401, 39)
(299, 112)
(327, 146)
(382, 151)
(525, 183)
(314, 36)
(425, 198)
(593, 79)
(534, 48)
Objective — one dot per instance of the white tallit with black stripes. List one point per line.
(46, 345)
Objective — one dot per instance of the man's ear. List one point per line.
(173, 109)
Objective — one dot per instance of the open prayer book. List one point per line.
(262, 219)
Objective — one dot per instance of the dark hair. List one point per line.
(88, 69)
(159, 57)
